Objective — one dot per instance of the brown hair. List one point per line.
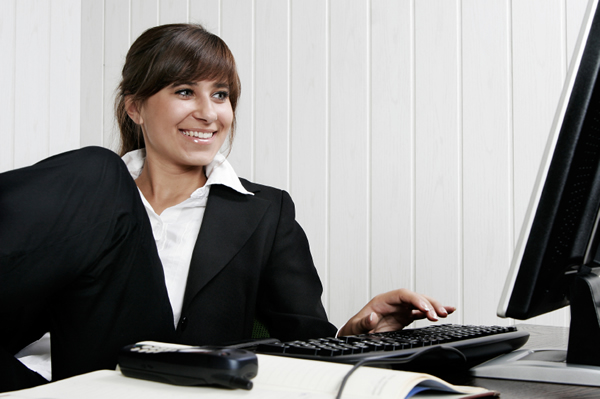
(170, 55)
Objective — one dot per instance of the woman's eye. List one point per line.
(221, 95)
(185, 92)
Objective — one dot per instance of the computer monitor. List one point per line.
(557, 257)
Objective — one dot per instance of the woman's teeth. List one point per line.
(200, 135)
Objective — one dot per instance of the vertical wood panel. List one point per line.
(92, 73)
(438, 145)
(539, 69)
(309, 130)
(172, 11)
(8, 22)
(487, 141)
(32, 78)
(207, 13)
(144, 15)
(349, 184)
(237, 30)
(116, 44)
(271, 95)
(65, 61)
(392, 160)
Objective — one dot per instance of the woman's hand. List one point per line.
(394, 310)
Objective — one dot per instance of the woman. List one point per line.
(174, 246)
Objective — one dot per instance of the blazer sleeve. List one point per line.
(289, 301)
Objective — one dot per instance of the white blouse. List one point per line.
(176, 228)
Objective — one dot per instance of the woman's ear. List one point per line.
(133, 110)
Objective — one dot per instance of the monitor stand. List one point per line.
(580, 364)
(542, 365)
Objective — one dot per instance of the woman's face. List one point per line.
(185, 125)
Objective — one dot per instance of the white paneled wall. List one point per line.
(407, 131)
(40, 43)
(486, 162)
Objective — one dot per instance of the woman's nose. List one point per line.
(205, 111)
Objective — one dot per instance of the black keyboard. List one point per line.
(439, 344)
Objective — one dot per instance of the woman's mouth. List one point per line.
(199, 135)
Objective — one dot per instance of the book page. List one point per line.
(278, 378)
(325, 377)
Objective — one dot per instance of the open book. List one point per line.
(278, 377)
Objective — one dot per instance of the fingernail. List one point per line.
(371, 316)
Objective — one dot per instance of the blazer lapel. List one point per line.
(229, 220)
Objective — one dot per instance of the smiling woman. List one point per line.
(172, 55)
(166, 243)
(183, 126)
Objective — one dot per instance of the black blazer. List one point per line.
(251, 260)
(95, 280)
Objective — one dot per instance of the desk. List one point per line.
(541, 337)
